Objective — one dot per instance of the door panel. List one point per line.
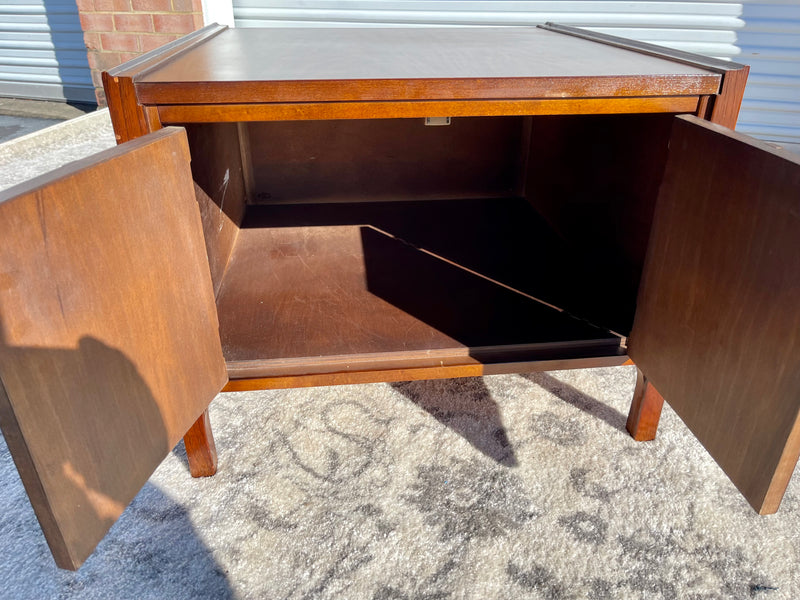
(109, 345)
(717, 327)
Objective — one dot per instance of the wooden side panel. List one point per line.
(127, 116)
(109, 346)
(220, 189)
(717, 327)
(725, 109)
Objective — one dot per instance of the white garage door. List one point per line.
(764, 34)
(42, 53)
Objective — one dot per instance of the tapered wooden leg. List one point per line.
(200, 448)
(645, 410)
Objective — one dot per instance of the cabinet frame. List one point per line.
(138, 108)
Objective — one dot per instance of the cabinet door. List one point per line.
(717, 327)
(109, 345)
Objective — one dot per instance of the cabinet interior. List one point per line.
(389, 243)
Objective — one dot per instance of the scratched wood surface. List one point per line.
(109, 349)
(220, 189)
(716, 328)
(308, 65)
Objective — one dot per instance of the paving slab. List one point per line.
(41, 151)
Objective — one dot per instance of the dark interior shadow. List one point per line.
(466, 406)
(66, 36)
(578, 399)
(504, 239)
(493, 322)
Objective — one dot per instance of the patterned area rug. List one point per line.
(513, 486)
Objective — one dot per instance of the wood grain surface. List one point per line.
(645, 411)
(386, 159)
(717, 322)
(726, 105)
(128, 116)
(341, 64)
(201, 451)
(220, 189)
(221, 112)
(332, 287)
(491, 236)
(109, 346)
(409, 373)
(148, 61)
(715, 65)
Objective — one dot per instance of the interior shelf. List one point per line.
(374, 285)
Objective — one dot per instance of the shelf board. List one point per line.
(331, 288)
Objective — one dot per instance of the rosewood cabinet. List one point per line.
(345, 206)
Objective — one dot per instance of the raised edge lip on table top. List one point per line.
(341, 64)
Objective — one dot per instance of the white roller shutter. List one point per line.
(770, 44)
(42, 53)
(764, 34)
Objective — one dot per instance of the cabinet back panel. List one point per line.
(386, 159)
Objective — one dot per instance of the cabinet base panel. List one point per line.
(316, 289)
(416, 374)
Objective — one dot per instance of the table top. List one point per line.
(343, 64)
(290, 54)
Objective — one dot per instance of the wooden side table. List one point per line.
(387, 205)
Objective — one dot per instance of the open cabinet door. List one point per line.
(109, 344)
(717, 327)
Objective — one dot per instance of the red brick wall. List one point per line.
(118, 30)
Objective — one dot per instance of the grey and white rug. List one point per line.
(513, 486)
